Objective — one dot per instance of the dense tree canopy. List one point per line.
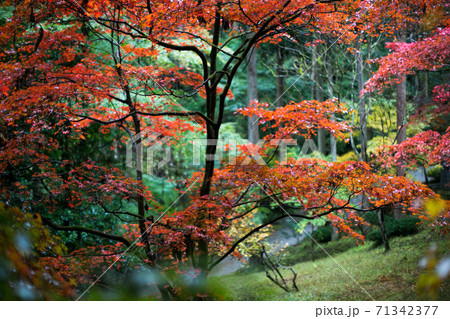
(83, 81)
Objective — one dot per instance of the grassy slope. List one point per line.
(390, 276)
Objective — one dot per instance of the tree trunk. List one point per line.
(317, 94)
(212, 134)
(361, 103)
(401, 132)
(333, 148)
(401, 115)
(312, 243)
(425, 175)
(321, 134)
(425, 84)
(334, 234)
(252, 94)
(321, 141)
(280, 79)
(401, 119)
(384, 237)
(163, 285)
(329, 72)
(330, 89)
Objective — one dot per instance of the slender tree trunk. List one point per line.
(330, 86)
(401, 116)
(312, 243)
(401, 119)
(417, 93)
(329, 72)
(425, 175)
(363, 134)
(383, 230)
(313, 73)
(425, 85)
(401, 133)
(321, 134)
(316, 92)
(212, 134)
(321, 141)
(361, 103)
(203, 250)
(163, 285)
(280, 79)
(334, 233)
(333, 148)
(252, 94)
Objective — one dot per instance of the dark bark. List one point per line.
(212, 134)
(280, 79)
(312, 243)
(163, 285)
(317, 94)
(361, 103)
(81, 229)
(330, 86)
(252, 94)
(383, 234)
(401, 132)
(401, 119)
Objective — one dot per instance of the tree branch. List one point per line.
(86, 230)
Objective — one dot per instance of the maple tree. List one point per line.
(70, 67)
(431, 53)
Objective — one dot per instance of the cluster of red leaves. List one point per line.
(426, 14)
(316, 188)
(83, 266)
(56, 73)
(52, 83)
(435, 111)
(204, 219)
(72, 186)
(441, 95)
(301, 119)
(430, 54)
(183, 19)
(347, 224)
(49, 80)
(90, 183)
(422, 150)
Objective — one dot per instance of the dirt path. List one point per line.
(283, 236)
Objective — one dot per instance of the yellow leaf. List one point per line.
(435, 207)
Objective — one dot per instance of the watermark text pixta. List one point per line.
(143, 150)
(337, 311)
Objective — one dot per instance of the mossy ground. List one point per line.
(384, 276)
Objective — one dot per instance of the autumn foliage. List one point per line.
(73, 71)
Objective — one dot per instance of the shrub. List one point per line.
(394, 228)
(323, 234)
(349, 156)
(371, 218)
(434, 173)
(302, 252)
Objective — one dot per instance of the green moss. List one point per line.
(385, 276)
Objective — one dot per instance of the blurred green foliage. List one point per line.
(26, 252)
(394, 227)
